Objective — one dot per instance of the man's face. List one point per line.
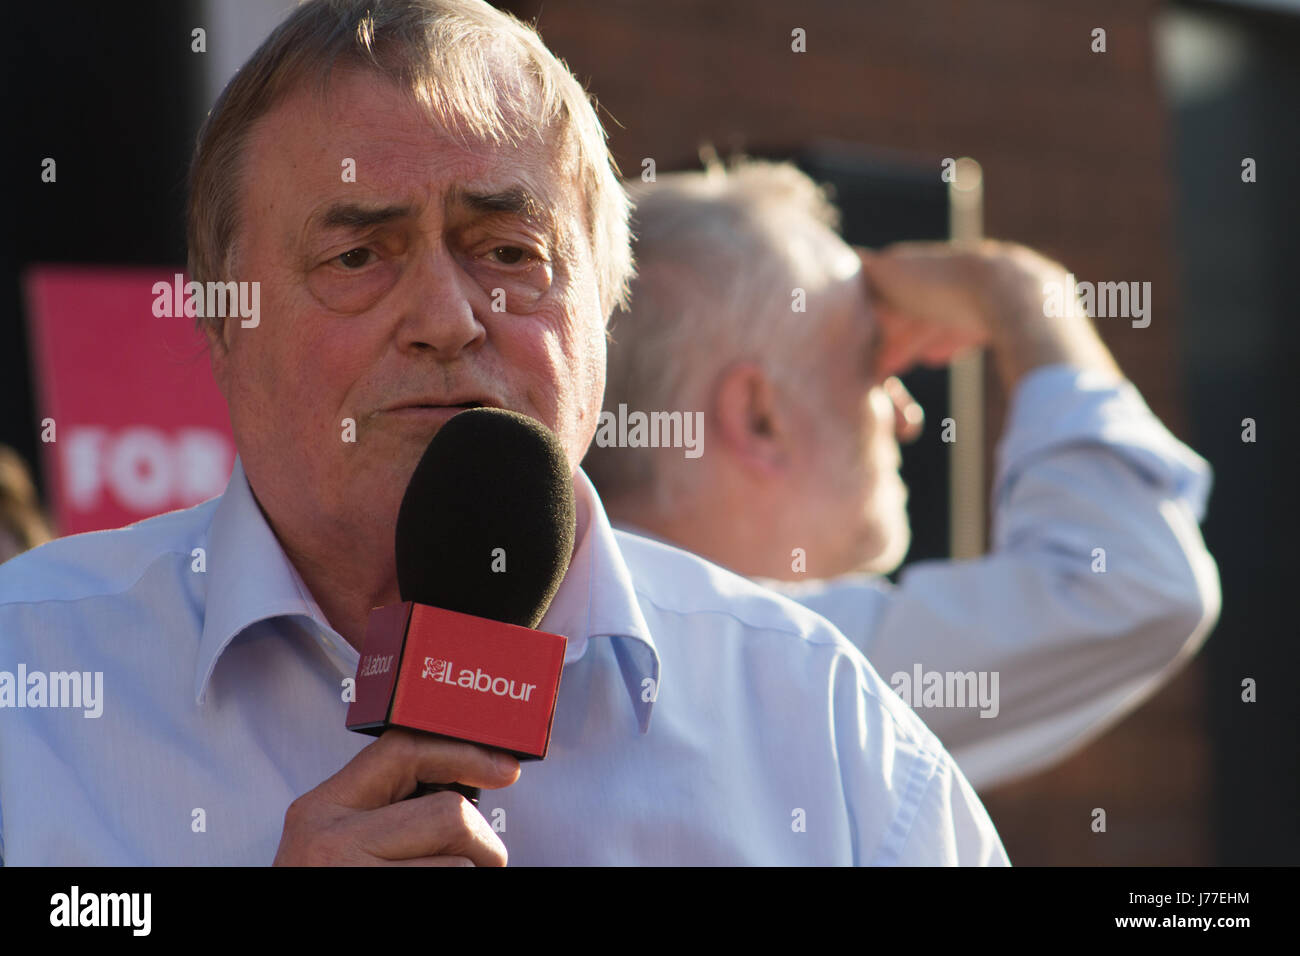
(854, 502)
(446, 274)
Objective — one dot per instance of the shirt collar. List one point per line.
(629, 527)
(597, 599)
(251, 579)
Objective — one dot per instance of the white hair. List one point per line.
(717, 270)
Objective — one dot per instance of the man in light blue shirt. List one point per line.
(1097, 586)
(472, 260)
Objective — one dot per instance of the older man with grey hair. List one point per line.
(389, 171)
(1098, 585)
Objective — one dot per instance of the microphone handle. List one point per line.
(469, 793)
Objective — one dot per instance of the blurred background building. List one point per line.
(1125, 164)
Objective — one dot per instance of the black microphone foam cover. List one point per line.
(490, 479)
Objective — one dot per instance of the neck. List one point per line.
(711, 530)
(347, 591)
(353, 569)
(354, 575)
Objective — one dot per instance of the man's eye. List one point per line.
(354, 258)
(508, 255)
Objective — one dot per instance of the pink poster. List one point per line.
(131, 421)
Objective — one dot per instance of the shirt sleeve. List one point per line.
(952, 827)
(932, 815)
(1097, 587)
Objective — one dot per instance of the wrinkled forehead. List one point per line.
(399, 138)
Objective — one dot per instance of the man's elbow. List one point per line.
(1195, 607)
(1183, 602)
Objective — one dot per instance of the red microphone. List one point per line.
(484, 538)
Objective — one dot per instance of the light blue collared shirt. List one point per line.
(701, 718)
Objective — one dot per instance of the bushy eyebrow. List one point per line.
(513, 200)
(358, 216)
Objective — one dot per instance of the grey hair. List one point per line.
(442, 53)
(715, 284)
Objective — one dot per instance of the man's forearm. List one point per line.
(1023, 338)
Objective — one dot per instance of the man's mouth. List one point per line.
(471, 403)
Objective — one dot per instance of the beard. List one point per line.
(864, 469)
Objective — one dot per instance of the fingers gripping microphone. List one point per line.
(485, 533)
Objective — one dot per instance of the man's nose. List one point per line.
(440, 311)
(909, 417)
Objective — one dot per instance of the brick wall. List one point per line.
(1074, 150)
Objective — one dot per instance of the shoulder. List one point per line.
(806, 693)
(678, 582)
(723, 616)
(101, 563)
(854, 603)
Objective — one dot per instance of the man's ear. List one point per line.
(218, 350)
(749, 419)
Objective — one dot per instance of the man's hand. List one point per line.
(358, 817)
(936, 300)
